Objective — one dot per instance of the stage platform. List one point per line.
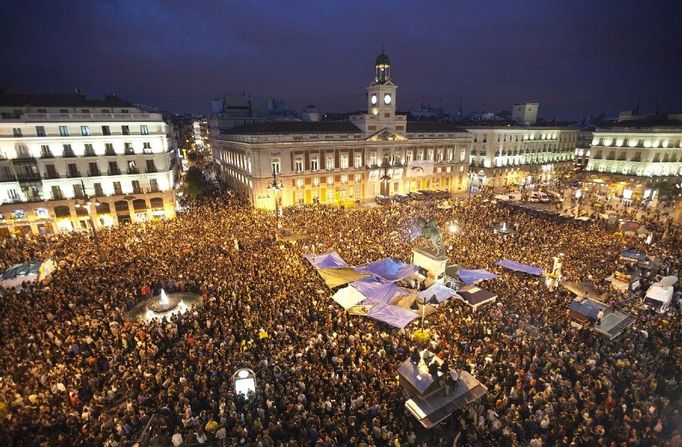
(436, 407)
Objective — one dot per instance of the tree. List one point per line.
(194, 182)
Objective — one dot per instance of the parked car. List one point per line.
(401, 198)
(382, 200)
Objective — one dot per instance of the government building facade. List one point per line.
(66, 159)
(344, 162)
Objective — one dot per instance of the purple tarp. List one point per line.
(517, 266)
(388, 269)
(472, 276)
(378, 291)
(326, 260)
(392, 315)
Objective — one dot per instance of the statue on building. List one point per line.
(429, 230)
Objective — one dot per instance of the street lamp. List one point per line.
(86, 203)
(385, 178)
(276, 186)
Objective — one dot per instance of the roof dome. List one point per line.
(382, 59)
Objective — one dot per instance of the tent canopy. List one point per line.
(438, 290)
(18, 273)
(392, 315)
(583, 288)
(517, 266)
(378, 291)
(388, 269)
(473, 276)
(335, 277)
(326, 260)
(348, 297)
(631, 253)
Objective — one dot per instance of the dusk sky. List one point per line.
(573, 57)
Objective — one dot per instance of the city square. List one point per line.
(374, 273)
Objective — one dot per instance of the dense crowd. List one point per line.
(75, 372)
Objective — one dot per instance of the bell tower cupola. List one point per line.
(383, 69)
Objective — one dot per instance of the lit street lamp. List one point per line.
(87, 203)
(276, 186)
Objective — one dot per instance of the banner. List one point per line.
(422, 168)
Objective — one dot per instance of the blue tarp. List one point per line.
(440, 291)
(473, 276)
(634, 254)
(517, 266)
(588, 308)
(378, 291)
(388, 269)
(326, 260)
(392, 315)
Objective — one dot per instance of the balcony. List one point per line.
(152, 169)
(73, 174)
(133, 171)
(137, 190)
(51, 175)
(115, 171)
(57, 196)
(8, 178)
(153, 189)
(46, 155)
(94, 173)
(28, 177)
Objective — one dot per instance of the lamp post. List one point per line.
(87, 203)
(385, 179)
(276, 186)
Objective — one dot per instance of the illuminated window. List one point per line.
(314, 164)
(276, 169)
(298, 165)
(344, 161)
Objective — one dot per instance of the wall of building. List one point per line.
(46, 158)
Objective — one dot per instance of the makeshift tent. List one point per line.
(475, 296)
(348, 297)
(633, 255)
(339, 276)
(583, 289)
(29, 272)
(438, 290)
(379, 291)
(517, 266)
(326, 260)
(392, 315)
(388, 269)
(473, 276)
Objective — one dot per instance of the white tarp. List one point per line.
(348, 297)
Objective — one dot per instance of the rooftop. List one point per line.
(12, 99)
(433, 127)
(293, 127)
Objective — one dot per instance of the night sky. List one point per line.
(573, 57)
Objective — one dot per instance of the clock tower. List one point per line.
(381, 101)
(381, 92)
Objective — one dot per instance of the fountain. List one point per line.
(163, 303)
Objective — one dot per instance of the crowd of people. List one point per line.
(75, 372)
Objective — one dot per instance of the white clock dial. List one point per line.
(387, 99)
(373, 99)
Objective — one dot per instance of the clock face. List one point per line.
(387, 99)
(373, 99)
